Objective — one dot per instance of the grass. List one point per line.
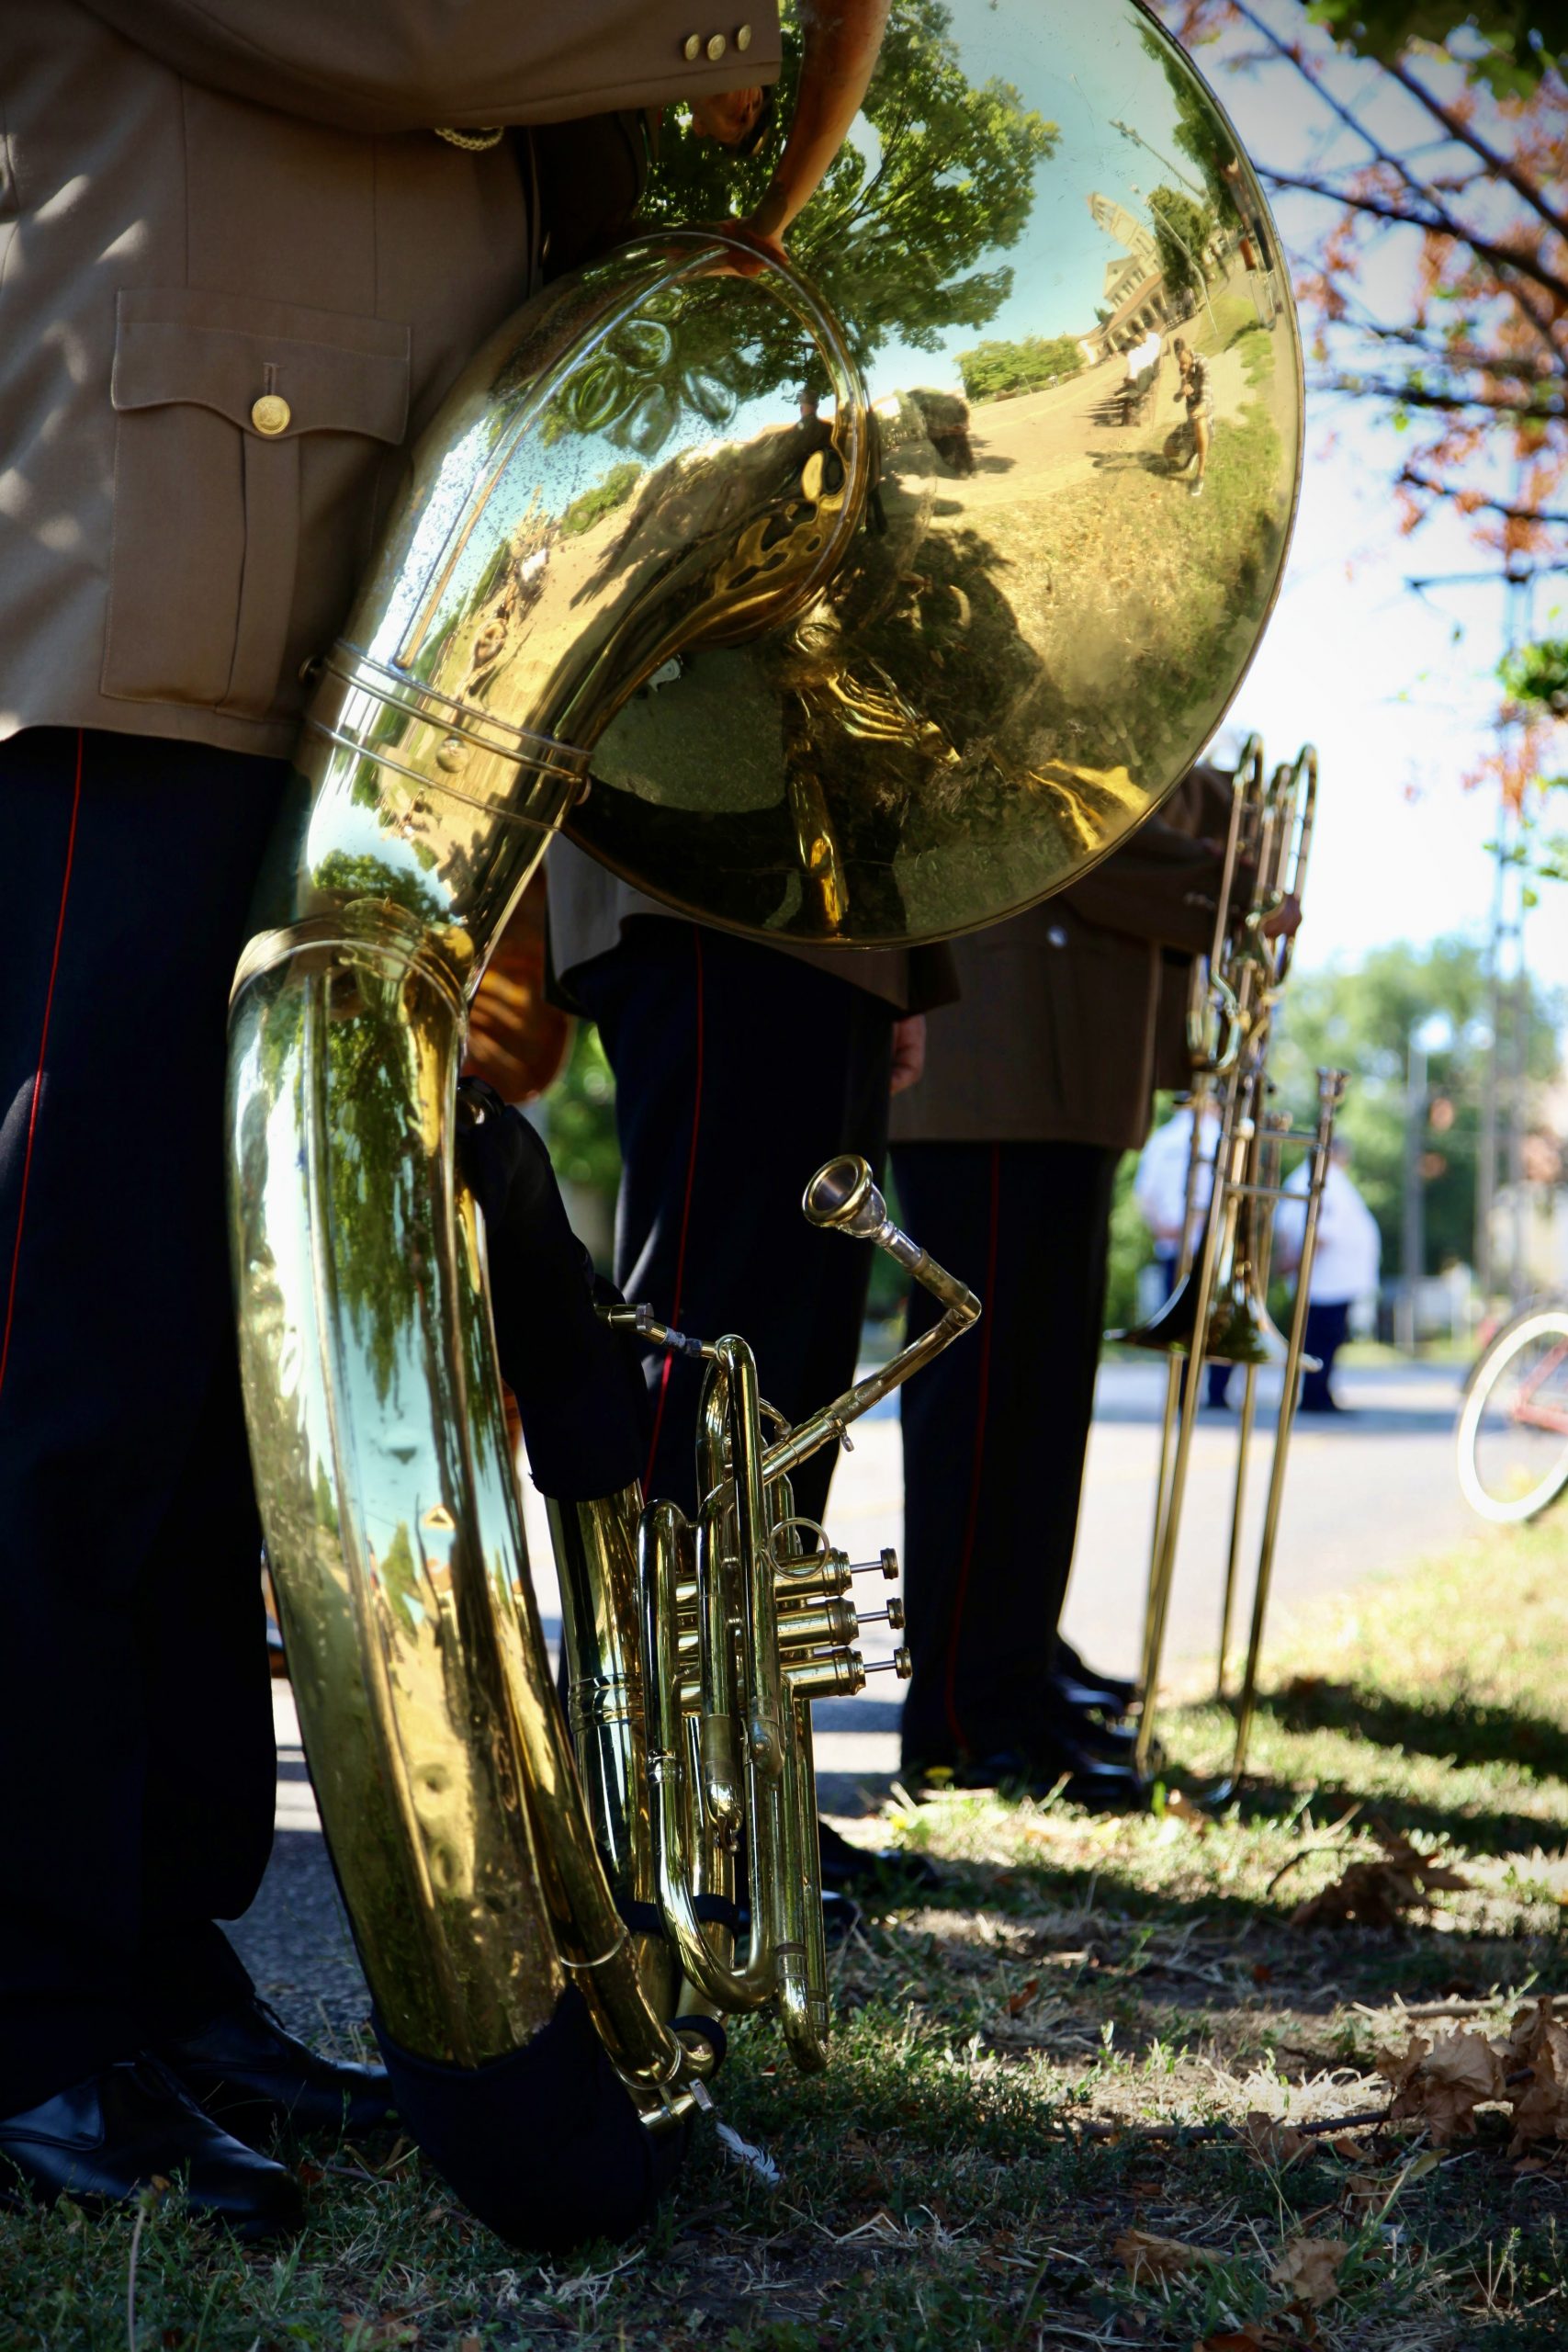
(1025, 2064)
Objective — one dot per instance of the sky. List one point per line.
(1397, 689)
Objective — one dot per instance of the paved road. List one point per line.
(1367, 1493)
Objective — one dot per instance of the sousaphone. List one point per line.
(873, 666)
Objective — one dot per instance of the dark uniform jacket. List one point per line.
(1053, 1037)
(238, 269)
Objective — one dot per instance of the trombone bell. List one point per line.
(1240, 1328)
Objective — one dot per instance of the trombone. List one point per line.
(1217, 1310)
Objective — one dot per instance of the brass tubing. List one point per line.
(843, 1195)
(379, 1443)
(595, 1550)
(1164, 1571)
(1331, 1086)
(1238, 1507)
(1198, 1103)
(802, 1944)
(676, 1859)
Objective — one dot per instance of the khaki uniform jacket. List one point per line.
(204, 203)
(1051, 1039)
(588, 905)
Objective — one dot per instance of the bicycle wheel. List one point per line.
(1513, 1425)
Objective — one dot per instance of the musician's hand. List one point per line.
(1285, 920)
(908, 1052)
(842, 39)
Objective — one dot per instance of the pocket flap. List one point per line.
(337, 374)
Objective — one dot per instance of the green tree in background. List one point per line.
(993, 368)
(1511, 42)
(1360, 1018)
(580, 1118)
(1535, 680)
(1182, 228)
(896, 235)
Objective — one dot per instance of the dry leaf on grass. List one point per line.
(1377, 1895)
(1144, 2257)
(1537, 2049)
(1442, 2083)
(1308, 2270)
(1272, 2143)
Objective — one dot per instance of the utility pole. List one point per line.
(1413, 1224)
(1486, 1155)
(1505, 1078)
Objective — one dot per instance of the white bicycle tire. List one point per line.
(1521, 1333)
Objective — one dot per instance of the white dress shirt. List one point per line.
(1346, 1263)
(1159, 1188)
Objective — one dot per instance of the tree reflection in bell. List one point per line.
(1037, 626)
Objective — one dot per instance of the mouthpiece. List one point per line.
(844, 1195)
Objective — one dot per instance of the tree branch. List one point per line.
(1498, 164)
(1440, 225)
(1468, 499)
(1415, 396)
(1443, 222)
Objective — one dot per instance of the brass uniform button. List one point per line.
(743, 40)
(272, 414)
(716, 46)
(691, 48)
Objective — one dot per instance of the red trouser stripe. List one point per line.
(38, 1074)
(685, 1219)
(977, 1457)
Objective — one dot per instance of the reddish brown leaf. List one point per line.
(1442, 2083)
(1308, 2270)
(1018, 2002)
(1535, 2061)
(1377, 1895)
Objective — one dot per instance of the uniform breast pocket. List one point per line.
(245, 457)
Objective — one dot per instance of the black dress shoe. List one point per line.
(132, 2125)
(254, 2077)
(887, 1870)
(1111, 1692)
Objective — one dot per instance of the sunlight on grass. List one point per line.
(1056, 2048)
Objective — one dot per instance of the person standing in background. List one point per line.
(1036, 1082)
(1345, 1268)
(1172, 1194)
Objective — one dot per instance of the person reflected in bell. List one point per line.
(1193, 390)
(1140, 376)
(238, 251)
(1037, 1081)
